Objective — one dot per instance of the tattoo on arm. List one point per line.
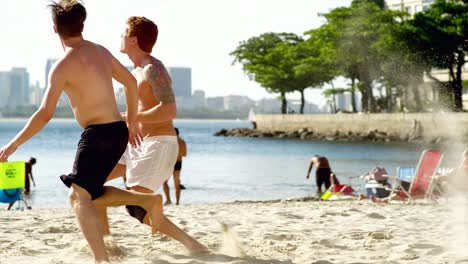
(161, 84)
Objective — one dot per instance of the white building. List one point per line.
(267, 105)
(409, 6)
(238, 103)
(344, 102)
(215, 103)
(198, 98)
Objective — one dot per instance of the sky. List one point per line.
(192, 33)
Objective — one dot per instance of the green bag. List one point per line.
(12, 174)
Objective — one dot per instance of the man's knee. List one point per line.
(158, 198)
(78, 195)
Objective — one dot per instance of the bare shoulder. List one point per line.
(60, 66)
(155, 70)
(156, 75)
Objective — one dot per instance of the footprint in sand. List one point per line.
(290, 216)
(376, 216)
(54, 243)
(433, 250)
(423, 246)
(322, 262)
(281, 237)
(359, 235)
(331, 243)
(57, 230)
(335, 214)
(378, 235)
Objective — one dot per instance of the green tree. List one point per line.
(357, 30)
(439, 35)
(266, 60)
(315, 60)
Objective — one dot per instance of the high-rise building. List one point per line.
(49, 64)
(36, 94)
(14, 88)
(181, 81)
(4, 88)
(63, 100)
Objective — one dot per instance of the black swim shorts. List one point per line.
(323, 177)
(178, 165)
(99, 150)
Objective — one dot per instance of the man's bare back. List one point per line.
(88, 69)
(320, 162)
(154, 87)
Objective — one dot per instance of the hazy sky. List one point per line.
(195, 33)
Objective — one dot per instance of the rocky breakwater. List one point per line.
(372, 135)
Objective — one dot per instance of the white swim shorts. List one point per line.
(152, 163)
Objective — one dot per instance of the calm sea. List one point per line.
(217, 169)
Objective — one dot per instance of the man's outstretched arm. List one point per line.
(160, 82)
(42, 116)
(310, 168)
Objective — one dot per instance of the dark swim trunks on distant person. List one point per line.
(323, 177)
(99, 150)
(178, 166)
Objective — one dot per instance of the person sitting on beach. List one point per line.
(337, 187)
(322, 172)
(455, 178)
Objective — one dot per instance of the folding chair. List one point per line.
(420, 184)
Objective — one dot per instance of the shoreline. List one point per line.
(373, 135)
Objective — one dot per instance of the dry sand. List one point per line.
(266, 232)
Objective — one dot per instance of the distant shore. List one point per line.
(177, 119)
(305, 134)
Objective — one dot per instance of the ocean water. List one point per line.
(217, 169)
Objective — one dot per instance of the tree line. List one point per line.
(385, 55)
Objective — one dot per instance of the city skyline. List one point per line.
(198, 35)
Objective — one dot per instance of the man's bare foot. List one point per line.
(197, 247)
(155, 212)
(168, 202)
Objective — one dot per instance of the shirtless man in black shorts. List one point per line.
(85, 74)
(322, 173)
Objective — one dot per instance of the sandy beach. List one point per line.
(259, 232)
